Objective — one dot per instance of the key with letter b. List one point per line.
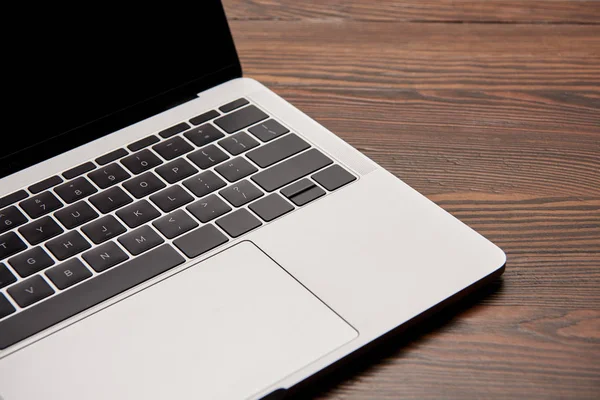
(68, 273)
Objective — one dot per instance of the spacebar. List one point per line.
(87, 294)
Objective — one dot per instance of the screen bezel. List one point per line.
(93, 130)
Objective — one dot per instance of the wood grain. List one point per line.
(491, 109)
(503, 11)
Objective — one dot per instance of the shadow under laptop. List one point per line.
(390, 345)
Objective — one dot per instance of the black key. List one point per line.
(203, 135)
(10, 244)
(176, 170)
(204, 183)
(142, 239)
(42, 229)
(236, 169)
(141, 161)
(333, 177)
(174, 130)
(30, 291)
(174, 147)
(202, 118)
(68, 273)
(240, 119)
(13, 198)
(112, 156)
(88, 294)
(6, 277)
(76, 189)
(45, 184)
(171, 198)
(302, 192)
(238, 222)
(268, 130)
(241, 193)
(208, 156)
(109, 175)
(145, 142)
(278, 150)
(104, 257)
(76, 214)
(175, 224)
(79, 170)
(10, 218)
(200, 241)
(138, 213)
(271, 207)
(40, 204)
(233, 105)
(5, 307)
(68, 245)
(290, 170)
(110, 199)
(238, 143)
(208, 208)
(103, 229)
(31, 261)
(143, 185)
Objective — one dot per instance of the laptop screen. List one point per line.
(73, 75)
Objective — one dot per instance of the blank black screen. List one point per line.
(75, 75)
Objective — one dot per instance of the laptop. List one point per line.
(172, 229)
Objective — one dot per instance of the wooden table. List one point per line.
(491, 109)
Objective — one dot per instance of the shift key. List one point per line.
(291, 170)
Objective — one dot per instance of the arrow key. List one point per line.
(175, 223)
(30, 291)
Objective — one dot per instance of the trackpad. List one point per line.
(227, 327)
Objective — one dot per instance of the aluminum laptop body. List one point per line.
(310, 250)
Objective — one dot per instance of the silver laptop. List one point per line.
(170, 229)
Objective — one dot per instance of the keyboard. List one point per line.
(74, 240)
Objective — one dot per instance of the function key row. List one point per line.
(174, 130)
(112, 156)
(142, 143)
(79, 170)
(13, 198)
(45, 184)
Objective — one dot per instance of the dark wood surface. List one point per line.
(491, 109)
